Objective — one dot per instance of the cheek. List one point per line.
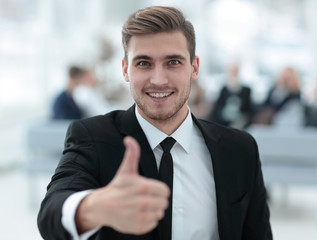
(181, 79)
(138, 78)
(136, 83)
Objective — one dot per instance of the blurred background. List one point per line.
(258, 73)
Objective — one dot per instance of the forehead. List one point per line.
(158, 44)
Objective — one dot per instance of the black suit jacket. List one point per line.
(94, 150)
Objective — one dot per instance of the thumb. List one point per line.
(131, 157)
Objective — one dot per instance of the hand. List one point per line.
(130, 203)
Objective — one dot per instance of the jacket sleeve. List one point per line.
(76, 171)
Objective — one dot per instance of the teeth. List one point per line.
(159, 95)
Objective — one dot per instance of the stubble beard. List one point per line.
(161, 115)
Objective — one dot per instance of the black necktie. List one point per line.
(166, 175)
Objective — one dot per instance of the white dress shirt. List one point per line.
(194, 198)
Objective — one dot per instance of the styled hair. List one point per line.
(157, 19)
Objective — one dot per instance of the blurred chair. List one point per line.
(311, 116)
(44, 144)
(288, 155)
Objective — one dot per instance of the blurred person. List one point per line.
(116, 178)
(197, 100)
(286, 91)
(64, 106)
(80, 99)
(233, 106)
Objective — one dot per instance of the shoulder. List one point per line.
(62, 97)
(235, 147)
(225, 134)
(100, 128)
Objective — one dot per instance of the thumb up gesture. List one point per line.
(130, 203)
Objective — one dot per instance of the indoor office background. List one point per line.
(40, 39)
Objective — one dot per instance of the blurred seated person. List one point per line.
(80, 99)
(197, 100)
(285, 92)
(234, 106)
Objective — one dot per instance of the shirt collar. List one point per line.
(182, 135)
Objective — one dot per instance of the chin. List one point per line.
(162, 116)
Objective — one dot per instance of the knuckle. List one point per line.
(144, 203)
(142, 218)
(143, 187)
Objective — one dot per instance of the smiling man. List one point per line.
(160, 70)
(155, 171)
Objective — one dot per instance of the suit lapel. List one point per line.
(131, 127)
(212, 138)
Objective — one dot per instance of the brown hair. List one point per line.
(158, 19)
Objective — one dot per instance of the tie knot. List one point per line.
(167, 144)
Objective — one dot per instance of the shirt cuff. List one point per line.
(68, 215)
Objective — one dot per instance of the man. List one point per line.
(233, 106)
(109, 182)
(66, 105)
(81, 98)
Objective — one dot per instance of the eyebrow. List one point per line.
(139, 57)
(146, 57)
(175, 56)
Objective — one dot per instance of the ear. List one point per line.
(125, 70)
(195, 68)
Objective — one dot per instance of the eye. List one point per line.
(174, 62)
(143, 63)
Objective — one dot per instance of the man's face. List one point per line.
(159, 71)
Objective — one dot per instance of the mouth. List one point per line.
(159, 95)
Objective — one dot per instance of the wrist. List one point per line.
(84, 218)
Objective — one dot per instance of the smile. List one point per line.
(160, 95)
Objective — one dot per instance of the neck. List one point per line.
(167, 126)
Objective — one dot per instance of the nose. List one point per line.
(159, 76)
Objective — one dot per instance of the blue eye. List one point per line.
(174, 62)
(143, 63)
